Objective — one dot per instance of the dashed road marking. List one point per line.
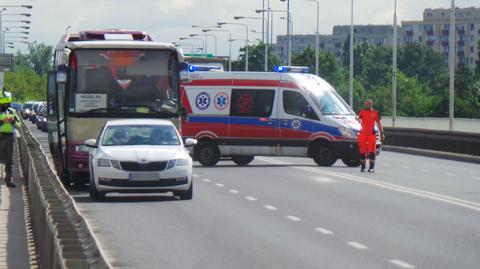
(387, 164)
(405, 167)
(219, 185)
(324, 179)
(425, 170)
(206, 180)
(270, 207)
(234, 191)
(401, 264)
(293, 218)
(323, 231)
(195, 175)
(450, 174)
(357, 245)
(477, 178)
(250, 198)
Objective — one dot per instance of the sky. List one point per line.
(168, 20)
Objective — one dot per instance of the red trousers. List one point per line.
(367, 143)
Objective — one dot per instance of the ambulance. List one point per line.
(289, 112)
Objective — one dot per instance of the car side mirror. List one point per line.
(91, 143)
(189, 142)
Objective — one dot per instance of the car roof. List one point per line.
(138, 122)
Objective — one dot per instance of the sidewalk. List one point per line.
(13, 236)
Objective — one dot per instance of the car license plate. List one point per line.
(144, 176)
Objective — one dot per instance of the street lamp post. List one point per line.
(229, 44)
(272, 11)
(289, 37)
(394, 70)
(451, 103)
(350, 77)
(263, 35)
(206, 36)
(246, 40)
(194, 38)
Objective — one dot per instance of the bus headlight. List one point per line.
(347, 132)
(81, 148)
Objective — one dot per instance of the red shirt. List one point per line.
(368, 117)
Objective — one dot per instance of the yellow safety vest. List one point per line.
(7, 127)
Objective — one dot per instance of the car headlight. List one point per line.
(170, 164)
(45, 119)
(116, 164)
(347, 132)
(103, 163)
(81, 148)
(182, 162)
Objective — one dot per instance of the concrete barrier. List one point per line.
(64, 238)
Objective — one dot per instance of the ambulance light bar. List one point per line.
(197, 68)
(291, 69)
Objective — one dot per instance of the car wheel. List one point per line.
(94, 193)
(351, 162)
(185, 195)
(207, 153)
(243, 160)
(324, 156)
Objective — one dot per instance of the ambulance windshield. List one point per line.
(327, 100)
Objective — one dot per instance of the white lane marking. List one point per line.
(219, 185)
(195, 175)
(425, 170)
(270, 207)
(4, 210)
(206, 180)
(389, 186)
(402, 264)
(293, 218)
(324, 179)
(357, 245)
(387, 164)
(477, 178)
(250, 198)
(234, 191)
(405, 167)
(323, 231)
(450, 174)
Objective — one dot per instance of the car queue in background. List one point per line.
(41, 118)
(26, 109)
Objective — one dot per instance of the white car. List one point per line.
(140, 155)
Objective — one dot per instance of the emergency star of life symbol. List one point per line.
(296, 124)
(202, 101)
(221, 101)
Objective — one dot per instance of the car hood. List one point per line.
(144, 153)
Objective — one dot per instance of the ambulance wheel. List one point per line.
(351, 162)
(243, 160)
(207, 153)
(324, 156)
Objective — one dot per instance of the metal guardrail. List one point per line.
(64, 238)
(440, 124)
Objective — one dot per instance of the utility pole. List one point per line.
(394, 71)
(350, 95)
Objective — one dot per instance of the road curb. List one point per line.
(434, 154)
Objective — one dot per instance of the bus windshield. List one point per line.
(328, 101)
(114, 81)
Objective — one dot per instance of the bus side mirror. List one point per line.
(184, 72)
(61, 74)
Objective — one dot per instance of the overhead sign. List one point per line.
(6, 62)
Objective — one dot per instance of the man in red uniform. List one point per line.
(367, 140)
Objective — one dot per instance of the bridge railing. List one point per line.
(440, 124)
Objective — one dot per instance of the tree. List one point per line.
(256, 59)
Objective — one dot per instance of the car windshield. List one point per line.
(130, 135)
(27, 106)
(327, 100)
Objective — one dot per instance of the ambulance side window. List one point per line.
(252, 103)
(294, 103)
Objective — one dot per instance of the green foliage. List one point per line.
(256, 59)
(29, 79)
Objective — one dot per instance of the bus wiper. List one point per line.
(103, 109)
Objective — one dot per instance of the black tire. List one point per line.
(94, 193)
(207, 153)
(351, 162)
(185, 195)
(324, 155)
(243, 160)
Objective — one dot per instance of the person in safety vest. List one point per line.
(8, 122)
(367, 140)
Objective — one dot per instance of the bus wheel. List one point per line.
(324, 156)
(351, 162)
(207, 153)
(243, 160)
